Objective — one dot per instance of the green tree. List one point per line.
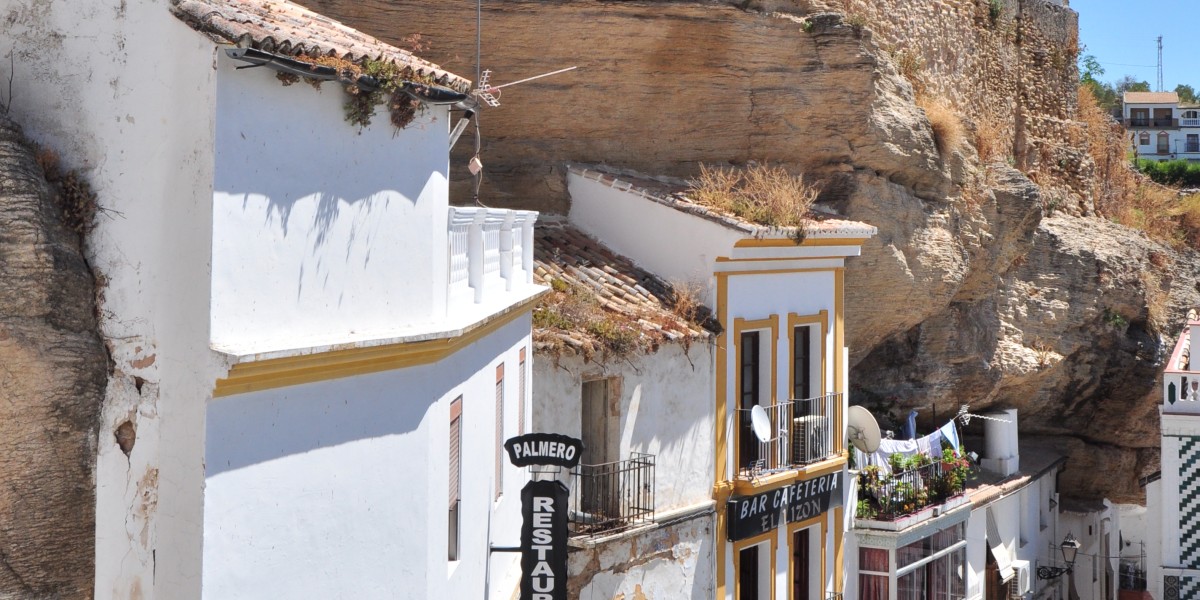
(1129, 84)
(1186, 93)
(1090, 70)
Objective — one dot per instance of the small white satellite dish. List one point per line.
(761, 423)
(862, 430)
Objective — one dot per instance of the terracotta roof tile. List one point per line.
(566, 254)
(286, 28)
(1151, 97)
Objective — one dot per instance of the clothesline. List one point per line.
(930, 444)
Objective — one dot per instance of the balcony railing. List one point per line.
(889, 497)
(490, 250)
(1132, 577)
(1189, 122)
(802, 432)
(611, 497)
(1160, 122)
(833, 596)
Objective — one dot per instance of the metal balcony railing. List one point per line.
(1161, 122)
(907, 492)
(610, 497)
(802, 432)
(833, 596)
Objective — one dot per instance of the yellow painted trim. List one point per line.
(782, 271)
(794, 321)
(738, 546)
(822, 520)
(741, 325)
(787, 242)
(839, 534)
(747, 487)
(335, 364)
(721, 489)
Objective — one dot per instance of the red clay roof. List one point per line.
(286, 28)
(569, 256)
(1151, 98)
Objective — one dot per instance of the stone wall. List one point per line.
(673, 560)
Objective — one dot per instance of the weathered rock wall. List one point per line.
(989, 283)
(53, 369)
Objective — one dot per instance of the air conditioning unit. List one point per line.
(1023, 580)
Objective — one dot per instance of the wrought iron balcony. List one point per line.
(611, 497)
(1158, 122)
(802, 432)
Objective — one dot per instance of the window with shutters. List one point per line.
(521, 396)
(455, 477)
(499, 446)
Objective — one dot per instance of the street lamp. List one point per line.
(1069, 547)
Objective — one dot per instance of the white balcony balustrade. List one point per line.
(491, 254)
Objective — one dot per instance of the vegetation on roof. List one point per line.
(759, 193)
(571, 318)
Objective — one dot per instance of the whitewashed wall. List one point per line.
(666, 409)
(674, 561)
(126, 92)
(322, 231)
(633, 226)
(339, 489)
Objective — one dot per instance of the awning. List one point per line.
(1000, 551)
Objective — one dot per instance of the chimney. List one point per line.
(1000, 442)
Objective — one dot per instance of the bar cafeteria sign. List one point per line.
(544, 510)
(752, 515)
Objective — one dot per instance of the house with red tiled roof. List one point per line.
(1160, 126)
(314, 357)
(678, 467)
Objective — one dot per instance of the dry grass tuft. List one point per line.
(989, 140)
(1125, 196)
(761, 194)
(946, 124)
(574, 308)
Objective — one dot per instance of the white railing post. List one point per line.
(506, 250)
(527, 245)
(475, 255)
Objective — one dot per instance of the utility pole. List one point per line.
(1160, 77)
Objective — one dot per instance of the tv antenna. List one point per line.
(966, 417)
(490, 94)
(1160, 65)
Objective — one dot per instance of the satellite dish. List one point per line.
(861, 429)
(761, 423)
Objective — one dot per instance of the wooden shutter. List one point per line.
(499, 430)
(521, 396)
(455, 451)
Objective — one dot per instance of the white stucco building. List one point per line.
(319, 356)
(643, 511)
(776, 294)
(1160, 127)
(1172, 534)
(986, 543)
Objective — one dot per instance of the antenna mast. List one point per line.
(1160, 69)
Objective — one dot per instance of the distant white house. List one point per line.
(1172, 533)
(319, 356)
(1160, 127)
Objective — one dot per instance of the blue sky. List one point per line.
(1121, 34)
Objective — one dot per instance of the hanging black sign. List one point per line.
(544, 449)
(544, 541)
(752, 515)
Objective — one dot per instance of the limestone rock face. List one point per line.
(982, 287)
(53, 369)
